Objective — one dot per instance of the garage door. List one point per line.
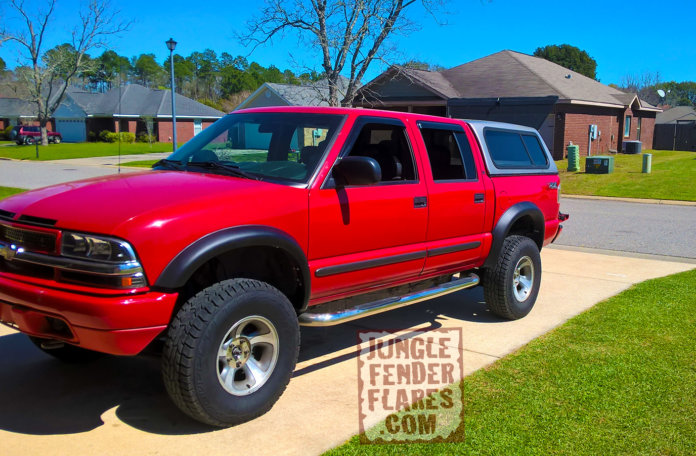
(72, 130)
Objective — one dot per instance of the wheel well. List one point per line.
(524, 226)
(266, 264)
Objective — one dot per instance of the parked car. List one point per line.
(23, 134)
(233, 242)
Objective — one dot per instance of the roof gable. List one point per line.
(509, 74)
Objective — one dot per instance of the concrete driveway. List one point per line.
(118, 406)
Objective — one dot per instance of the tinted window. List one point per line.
(389, 146)
(535, 150)
(510, 149)
(280, 146)
(449, 153)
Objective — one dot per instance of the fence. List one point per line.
(681, 136)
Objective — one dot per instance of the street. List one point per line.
(657, 229)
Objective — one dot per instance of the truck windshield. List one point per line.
(285, 147)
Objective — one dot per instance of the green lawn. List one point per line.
(80, 150)
(617, 379)
(140, 163)
(672, 177)
(7, 191)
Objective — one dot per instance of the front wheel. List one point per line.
(512, 285)
(230, 352)
(56, 140)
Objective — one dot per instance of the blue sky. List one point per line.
(623, 37)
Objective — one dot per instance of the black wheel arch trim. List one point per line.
(181, 268)
(505, 223)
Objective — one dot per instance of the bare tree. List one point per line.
(50, 73)
(349, 34)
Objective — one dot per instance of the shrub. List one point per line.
(145, 138)
(5, 134)
(92, 136)
(127, 137)
(108, 136)
(111, 137)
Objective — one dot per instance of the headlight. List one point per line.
(99, 261)
(96, 248)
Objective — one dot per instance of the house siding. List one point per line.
(575, 128)
(184, 130)
(573, 124)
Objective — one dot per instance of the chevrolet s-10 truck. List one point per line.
(270, 219)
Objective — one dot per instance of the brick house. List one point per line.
(512, 87)
(132, 108)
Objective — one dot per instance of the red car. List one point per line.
(236, 239)
(22, 134)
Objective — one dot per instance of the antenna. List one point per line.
(661, 93)
(119, 118)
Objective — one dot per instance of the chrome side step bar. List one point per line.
(383, 305)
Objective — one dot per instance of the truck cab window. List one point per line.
(389, 146)
(449, 154)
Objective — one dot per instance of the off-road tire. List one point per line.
(499, 281)
(69, 354)
(191, 357)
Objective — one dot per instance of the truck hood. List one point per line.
(101, 205)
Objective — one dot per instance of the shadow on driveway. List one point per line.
(42, 396)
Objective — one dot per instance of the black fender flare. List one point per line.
(185, 263)
(505, 223)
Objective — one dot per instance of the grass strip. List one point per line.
(617, 379)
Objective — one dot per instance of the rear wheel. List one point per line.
(67, 353)
(230, 352)
(512, 285)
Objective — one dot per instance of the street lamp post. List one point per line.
(171, 45)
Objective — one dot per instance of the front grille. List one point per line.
(36, 241)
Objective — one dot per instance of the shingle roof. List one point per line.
(14, 107)
(312, 94)
(139, 100)
(513, 74)
(678, 113)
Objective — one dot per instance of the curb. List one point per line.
(631, 200)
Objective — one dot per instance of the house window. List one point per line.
(197, 126)
(627, 127)
(638, 122)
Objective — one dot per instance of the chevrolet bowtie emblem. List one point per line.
(8, 252)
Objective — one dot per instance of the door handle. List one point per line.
(420, 201)
(478, 198)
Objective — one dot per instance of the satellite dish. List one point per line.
(661, 93)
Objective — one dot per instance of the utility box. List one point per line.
(600, 164)
(632, 147)
(573, 158)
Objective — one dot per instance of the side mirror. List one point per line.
(356, 171)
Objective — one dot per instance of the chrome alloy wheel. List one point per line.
(523, 278)
(247, 355)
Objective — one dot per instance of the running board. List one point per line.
(383, 305)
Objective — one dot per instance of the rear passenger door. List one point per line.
(373, 235)
(455, 197)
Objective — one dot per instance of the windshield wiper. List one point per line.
(231, 169)
(171, 164)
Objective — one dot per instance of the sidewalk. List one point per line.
(111, 160)
(118, 406)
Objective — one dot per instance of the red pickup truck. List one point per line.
(22, 134)
(267, 220)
